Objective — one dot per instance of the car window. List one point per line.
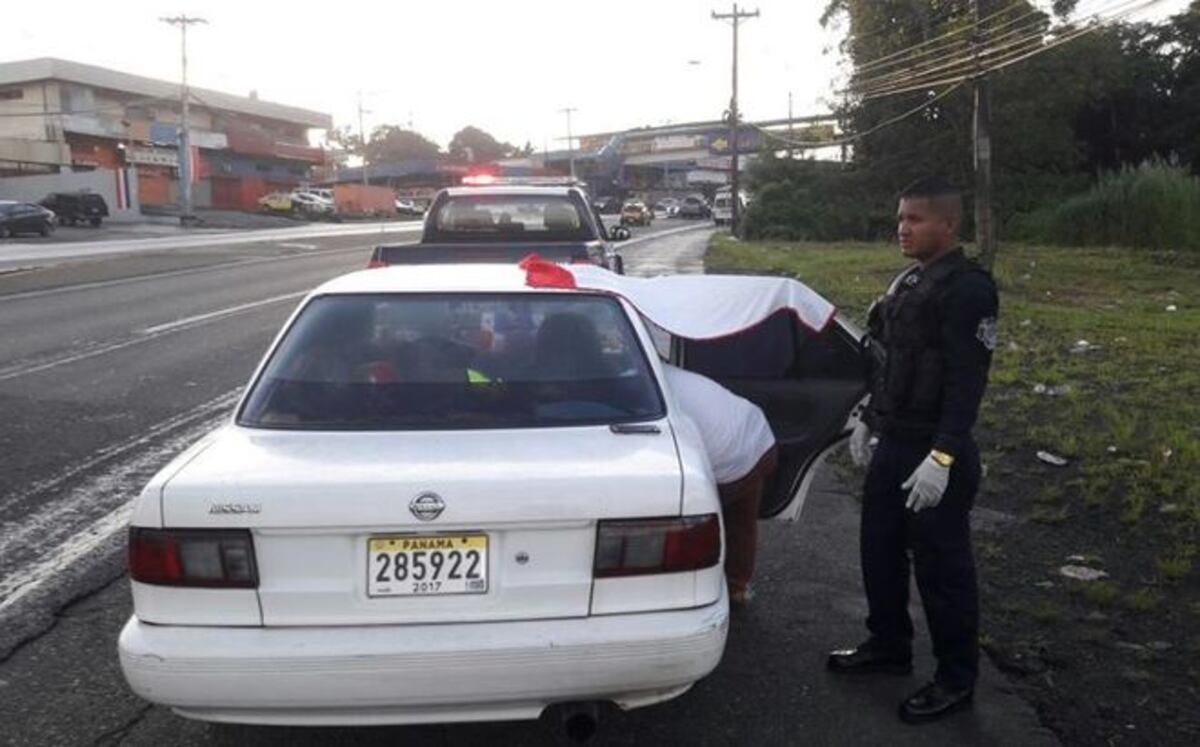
(449, 362)
(487, 217)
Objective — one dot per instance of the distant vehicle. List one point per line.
(722, 207)
(668, 206)
(505, 222)
(276, 202)
(313, 205)
(24, 217)
(405, 206)
(694, 206)
(76, 207)
(635, 213)
(322, 192)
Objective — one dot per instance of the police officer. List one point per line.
(933, 334)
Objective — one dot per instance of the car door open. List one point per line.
(806, 382)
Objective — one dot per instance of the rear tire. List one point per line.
(95, 222)
(46, 229)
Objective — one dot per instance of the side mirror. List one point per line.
(618, 233)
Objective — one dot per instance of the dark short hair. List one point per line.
(931, 186)
(941, 194)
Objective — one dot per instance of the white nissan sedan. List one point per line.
(453, 493)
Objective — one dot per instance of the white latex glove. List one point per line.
(860, 445)
(928, 482)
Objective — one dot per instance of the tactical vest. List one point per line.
(907, 377)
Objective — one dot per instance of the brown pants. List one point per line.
(740, 501)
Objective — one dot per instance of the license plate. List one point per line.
(427, 565)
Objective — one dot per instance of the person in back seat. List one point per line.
(569, 347)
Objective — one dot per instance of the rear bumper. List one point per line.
(422, 673)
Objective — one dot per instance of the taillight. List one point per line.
(637, 547)
(374, 264)
(212, 558)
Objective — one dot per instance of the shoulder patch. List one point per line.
(986, 332)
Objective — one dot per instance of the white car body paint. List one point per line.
(308, 646)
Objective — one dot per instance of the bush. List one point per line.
(1152, 206)
(813, 201)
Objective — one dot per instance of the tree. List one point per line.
(390, 143)
(476, 146)
(345, 139)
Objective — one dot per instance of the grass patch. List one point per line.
(1100, 593)
(1046, 613)
(1145, 599)
(1126, 424)
(1177, 564)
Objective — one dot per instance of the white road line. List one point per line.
(200, 318)
(53, 530)
(17, 585)
(154, 432)
(305, 247)
(38, 252)
(145, 335)
(154, 276)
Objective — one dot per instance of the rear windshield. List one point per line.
(492, 217)
(466, 361)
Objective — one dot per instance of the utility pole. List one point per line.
(570, 147)
(736, 16)
(185, 140)
(362, 137)
(985, 237)
(790, 152)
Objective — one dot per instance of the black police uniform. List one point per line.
(937, 325)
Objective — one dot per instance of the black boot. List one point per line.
(934, 701)
(870, 657)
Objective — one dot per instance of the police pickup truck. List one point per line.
(498, 221)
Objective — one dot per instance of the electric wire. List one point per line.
(918, 81)
(849, 139)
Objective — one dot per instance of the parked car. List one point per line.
(276, 202)
(694, 206)
(668, 206)
(405, 206)
(25, 217)
(722, 207)
(76, 207)
(325, 558)
(322, 192)
(635, 213)
(312, 205)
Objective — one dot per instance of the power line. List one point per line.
(950, 47)
(995, 49)
(946, 35)
(801, 144)
(919, 82)
(916, 51)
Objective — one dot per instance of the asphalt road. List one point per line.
(111, 363)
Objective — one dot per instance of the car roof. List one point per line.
(511, 189)
(449, 278)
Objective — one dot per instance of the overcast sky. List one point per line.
(507, 67)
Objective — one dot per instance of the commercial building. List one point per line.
(61, 116)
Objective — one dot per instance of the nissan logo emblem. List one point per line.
(427, 506)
